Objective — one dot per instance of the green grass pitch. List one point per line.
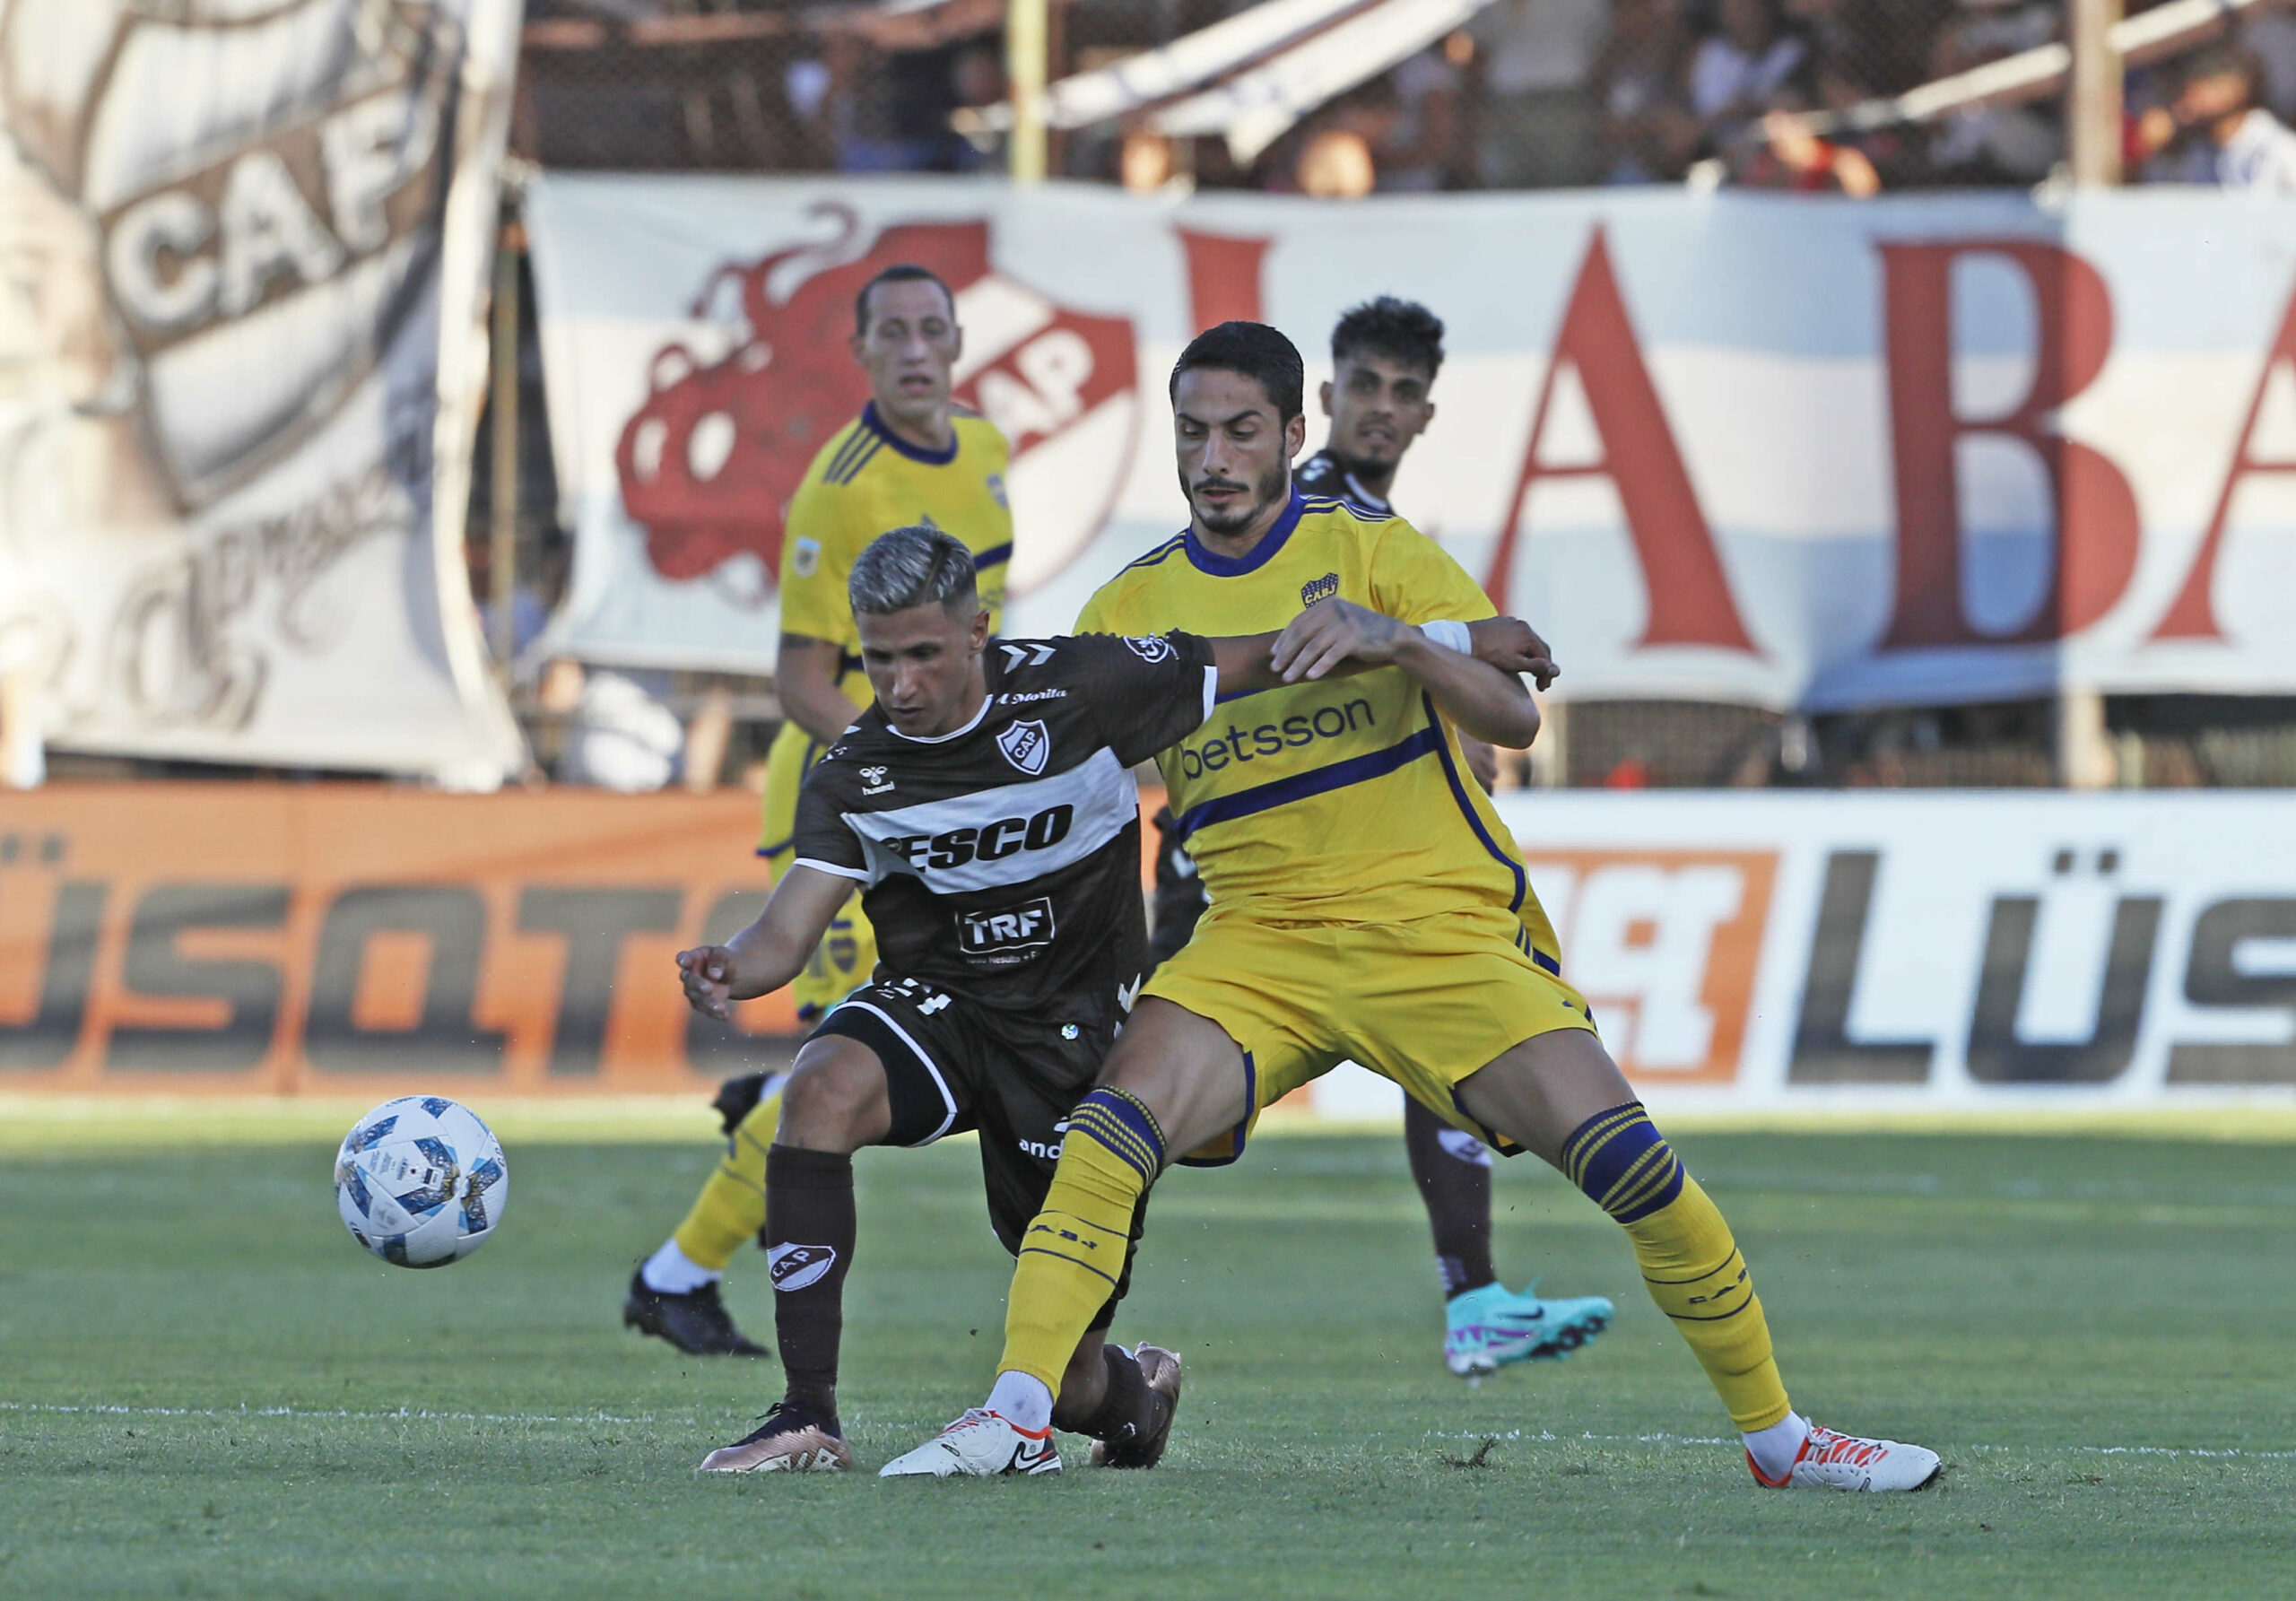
(206, 1389)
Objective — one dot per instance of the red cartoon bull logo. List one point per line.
(708, 464)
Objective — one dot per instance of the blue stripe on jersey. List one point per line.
(995, 556)
(1361, 513)
(1467, 807)
(852, 469)
(856, 441)
(1156, 556)
(1523, 944)
(1322, 780)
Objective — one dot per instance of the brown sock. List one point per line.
(808, 1240)
(1125, 1410)
(1457, 1195)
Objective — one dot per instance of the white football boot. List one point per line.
(979, 1445)
(1832, 1461)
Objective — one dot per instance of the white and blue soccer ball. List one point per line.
(420, 1181)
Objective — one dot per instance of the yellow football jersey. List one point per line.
(866, 481)
(1341, 801)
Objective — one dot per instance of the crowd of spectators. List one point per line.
(1530, 94)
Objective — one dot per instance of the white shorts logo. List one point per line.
(1150, 647)
(1459, 1143)
(794, 1266)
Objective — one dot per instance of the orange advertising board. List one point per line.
(352, 938)
(1665, 946)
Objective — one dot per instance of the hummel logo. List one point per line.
(1322, 588)
(1025, 656)
(874, 781)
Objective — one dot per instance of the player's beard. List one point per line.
(1361, 466)
(1269, 491)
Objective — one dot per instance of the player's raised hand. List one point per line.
(707, 972)
(1513, 646)
(1332, 631)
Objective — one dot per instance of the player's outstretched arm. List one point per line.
(771, 952)
(1481, 699)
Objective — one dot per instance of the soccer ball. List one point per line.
(420, 1181)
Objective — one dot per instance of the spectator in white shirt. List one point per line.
(2226, 136)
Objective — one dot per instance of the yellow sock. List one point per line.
(731, 1207)
(1693, 1271)
(1690, 1263)
(1072, 1255)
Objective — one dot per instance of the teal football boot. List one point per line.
(1492, 1326)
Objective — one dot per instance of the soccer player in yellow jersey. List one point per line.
(1385, 356)
(912, 457)
(1367, 903)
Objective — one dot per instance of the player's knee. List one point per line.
(835, 1099)
(1623, 1162)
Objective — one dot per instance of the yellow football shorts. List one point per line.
(1425, 1003)
(848, 954)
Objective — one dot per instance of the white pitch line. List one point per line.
(413, 1414)
(2088, 1450)
(408, 1414)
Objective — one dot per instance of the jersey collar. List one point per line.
(1258, 556)
(987, 701)
(931, 458)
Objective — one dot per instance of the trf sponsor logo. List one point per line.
(1014, 928)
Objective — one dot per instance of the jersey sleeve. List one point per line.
(817, 554)
(1148, 691)
(1414, 579)
(822, 839)
(1097, 617)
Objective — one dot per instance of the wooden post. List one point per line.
(502, 530)
(1026, 39)
(1551, 751)
(2093, 115)
(2085, 759)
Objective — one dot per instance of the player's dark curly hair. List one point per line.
(1257, 352)
(1403, 331)
(900, 271)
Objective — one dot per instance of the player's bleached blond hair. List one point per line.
(915, 566)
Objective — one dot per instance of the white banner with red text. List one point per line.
(1782, 450)
(243, 257)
